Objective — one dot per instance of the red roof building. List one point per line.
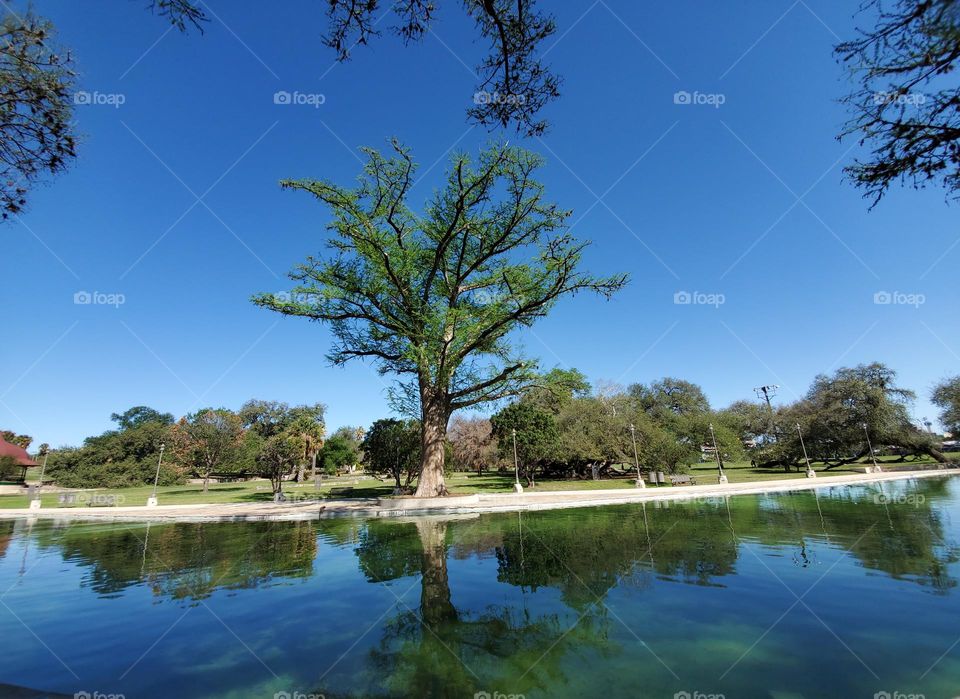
(19, 454)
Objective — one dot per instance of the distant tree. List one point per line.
(433, 298)
(904, 103)
(10, 470)
(21, 440)
(139, 415)
(275, 428)
(341, 451)
(669, 398)
(554, 389)
(946, 396)
(536, 436)
(392, 446)
(472, 443)
(207, 441)
(514, 85)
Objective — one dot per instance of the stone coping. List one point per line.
(454, 505)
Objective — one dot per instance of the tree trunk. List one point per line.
(206, 478)
(433, 432)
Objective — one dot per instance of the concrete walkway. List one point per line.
(461, 504)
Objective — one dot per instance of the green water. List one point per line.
(845, 592)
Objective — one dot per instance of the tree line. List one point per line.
(560, 427)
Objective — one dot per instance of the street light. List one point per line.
(810, 472)
(152, 500)
(722, 478)
(636, 458)
(517, 488)
(873, 457)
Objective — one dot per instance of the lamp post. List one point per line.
(810, 472)
(517, 488)
(152, 500)
(35, 502)
(722, 477)
(636, 458)
(873, 457)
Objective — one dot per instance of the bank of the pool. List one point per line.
(499, 502)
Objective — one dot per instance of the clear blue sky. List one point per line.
(695, 198)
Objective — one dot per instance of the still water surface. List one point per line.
(843, 592)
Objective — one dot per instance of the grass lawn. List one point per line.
(458, 483)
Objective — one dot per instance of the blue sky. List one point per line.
(743, 201)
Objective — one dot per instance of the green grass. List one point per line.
(458, 483)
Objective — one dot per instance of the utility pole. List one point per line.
(767, 392)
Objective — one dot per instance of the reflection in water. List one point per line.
(666, 596)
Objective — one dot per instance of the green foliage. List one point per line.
(536, 436)
(393, 447)
(10, 470)
(140, 415)
(946, 396)
(207, 441)
(340, 452)
(114, 459)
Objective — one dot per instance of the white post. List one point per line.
(35, 503)
(152, 500)
(810, 472)
(722, 478)
(873, 457)
(636, 458)
(517, 488)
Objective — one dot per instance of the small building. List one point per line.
(19, 455)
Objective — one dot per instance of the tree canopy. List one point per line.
(432, 298)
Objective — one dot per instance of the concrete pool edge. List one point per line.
(500, 502)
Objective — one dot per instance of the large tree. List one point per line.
(207, 440)
(905, 100)
(433, 297)
(392, 446)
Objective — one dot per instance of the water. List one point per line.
(846, 592)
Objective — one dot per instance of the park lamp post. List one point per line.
(810, 472)
(517, 488)
(636, 458)
(722, 477)
(152, 500)
(873, 457)
(35, 501)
